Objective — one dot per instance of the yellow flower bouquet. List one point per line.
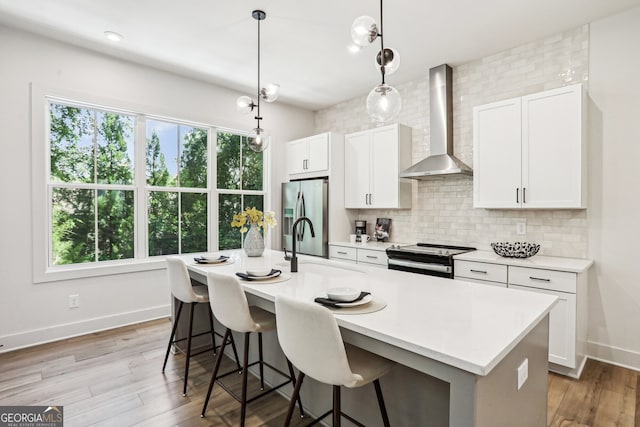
(253, 216)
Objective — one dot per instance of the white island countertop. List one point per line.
(465, 325)
(574, 265)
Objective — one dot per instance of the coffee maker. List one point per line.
(361, 228)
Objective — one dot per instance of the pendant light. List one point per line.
(258, 139)
(384, 101)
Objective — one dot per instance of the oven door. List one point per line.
(420, 267)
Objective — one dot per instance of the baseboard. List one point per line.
(74, 329)
(563, 370)
(614, 355)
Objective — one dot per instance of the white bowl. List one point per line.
(210, 257)
(258, 271)
(343, 294)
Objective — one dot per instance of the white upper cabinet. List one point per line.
(373, 160)
(529, 151)
(309, 157)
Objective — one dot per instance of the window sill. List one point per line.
(107, 268)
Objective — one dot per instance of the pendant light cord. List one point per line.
(258, 118)
(382, 56)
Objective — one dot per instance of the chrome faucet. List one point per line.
(294, 258)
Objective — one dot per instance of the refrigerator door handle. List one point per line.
(303, 212)
(296, 214)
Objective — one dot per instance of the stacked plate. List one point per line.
(211, 259)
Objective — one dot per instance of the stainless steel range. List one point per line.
(425, 258)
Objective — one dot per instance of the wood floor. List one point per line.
(113, 378)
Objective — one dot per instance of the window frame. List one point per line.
(41, 187)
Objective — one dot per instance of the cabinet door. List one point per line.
(497, 155)
(318, 158)
(297, 154)
(384, 168)
(357, 170)
(552, 148)
(562, 327)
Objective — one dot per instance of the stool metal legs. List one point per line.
(173, 334)
(336, 410)
(243, 398)
(189, 337)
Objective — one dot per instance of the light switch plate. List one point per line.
(523, 373)
(521, 228)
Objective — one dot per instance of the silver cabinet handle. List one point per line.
(517, 195)
(539, 279)
(478, 271)
(524, 195)
(342, 253)
(372, 257)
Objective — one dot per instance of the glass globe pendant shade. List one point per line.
(391, 59)
(258, 140)
(270, 92)
(244, 104)
(364, 30)
(383, 103)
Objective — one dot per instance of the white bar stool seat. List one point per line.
(230, 306)
(310, 337)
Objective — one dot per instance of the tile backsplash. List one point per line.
(442, 209)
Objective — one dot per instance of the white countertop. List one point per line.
(375, 246)
(466, 325)
(574, 265)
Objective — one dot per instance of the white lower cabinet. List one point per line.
(482, 272)
(562, 327)
(567, 319)
(358, 255)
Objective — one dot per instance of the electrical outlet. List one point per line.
(74, 301)
(521, 228)
(523, 373)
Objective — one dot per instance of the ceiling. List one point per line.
(304, 43)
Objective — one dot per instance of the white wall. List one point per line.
(614, 228)
(33, 313)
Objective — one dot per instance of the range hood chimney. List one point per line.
(441, 162)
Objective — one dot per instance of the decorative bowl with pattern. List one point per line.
(516, 249)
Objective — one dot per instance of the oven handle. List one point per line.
(420, 265)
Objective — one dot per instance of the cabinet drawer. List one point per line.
(481, 271)
(342, 252)
(560, 281)
(484, 282)
(372, 257)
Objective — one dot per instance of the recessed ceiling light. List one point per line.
(113, 36)
(354, 48)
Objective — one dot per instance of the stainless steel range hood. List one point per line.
(441, 162)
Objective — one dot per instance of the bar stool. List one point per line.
(230, 306)
(186, 293)
(324, 356)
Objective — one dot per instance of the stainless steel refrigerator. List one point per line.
(306, 198)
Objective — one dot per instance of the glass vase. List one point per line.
(254, 242)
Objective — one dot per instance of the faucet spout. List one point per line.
(294, 258)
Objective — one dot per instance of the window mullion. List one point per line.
(141, 229)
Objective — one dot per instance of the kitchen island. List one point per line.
(467, 340)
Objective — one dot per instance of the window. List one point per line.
(176, 165)
(91, 185)
(240, 182)
(121, 187)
